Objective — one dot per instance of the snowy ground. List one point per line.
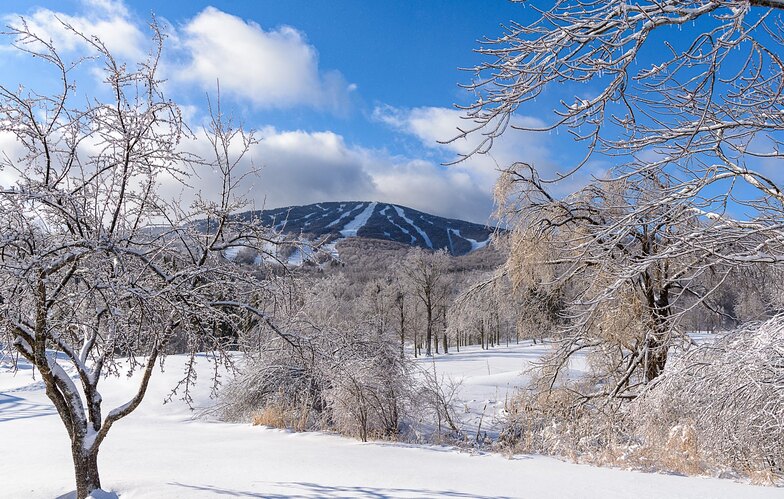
(161, 451)
(487, 380)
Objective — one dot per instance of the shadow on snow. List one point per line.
(309, 490)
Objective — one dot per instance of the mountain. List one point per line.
(339, 220)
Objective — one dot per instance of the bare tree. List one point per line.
(98, 271)
(704, 117)
(709, 102)
(345, 373)
(686, 122)
(426, 275)
(624, 288)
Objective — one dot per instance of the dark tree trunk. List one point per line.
(657, 358)
(657, 342)
(85, 470)
(403, 328)
(429, 337)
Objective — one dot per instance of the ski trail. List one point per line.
(422, 233)
(475, 245)
(402, 229)
(351, 228)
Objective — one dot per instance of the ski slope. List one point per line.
(475, 245)
(351, 228)
(402, 214)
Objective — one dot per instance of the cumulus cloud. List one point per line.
(108, 20)
(10, 151)
(434, 127)
(274, 68)
(278, 68)
(299, 167)
(426, 186)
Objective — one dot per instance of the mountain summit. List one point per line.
(339, 220)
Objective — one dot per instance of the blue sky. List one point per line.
(349, 97)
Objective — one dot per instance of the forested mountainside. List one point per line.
(377, 221)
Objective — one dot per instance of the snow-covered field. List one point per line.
(164, 451)
(487, 380)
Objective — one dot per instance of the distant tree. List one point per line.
(344, 373)
(98, 271)
(401, 311)
(425, 272)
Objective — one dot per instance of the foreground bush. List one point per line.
(358, 388)
(727, 399)
(716, 409)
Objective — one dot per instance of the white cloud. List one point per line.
(279, 68)
(428, 187)
(298, 167)
(435, 127)
(108, 20)
(10, 151)
(275, 68)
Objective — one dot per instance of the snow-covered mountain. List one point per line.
(338, 220)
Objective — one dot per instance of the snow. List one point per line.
(410, 222)
(488, 379)
(332, 248)
(163, 451)
(343, 214)
(402, 229)
(351, 228)
(303, 253)
(231, 252)
(475, 245)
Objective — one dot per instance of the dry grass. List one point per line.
(282, 416)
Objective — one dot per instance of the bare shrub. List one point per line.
(246, 256)
(344, 373)
(278, 412)
(717, 408)
(560, 422)
(367, 399)
(726, 400)
(277, 388)
(435, 400)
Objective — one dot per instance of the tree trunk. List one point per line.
(86, 470)
(429, 337)
(403, 332)
(656, 358)
(657, 343)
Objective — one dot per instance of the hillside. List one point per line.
(340, 220)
